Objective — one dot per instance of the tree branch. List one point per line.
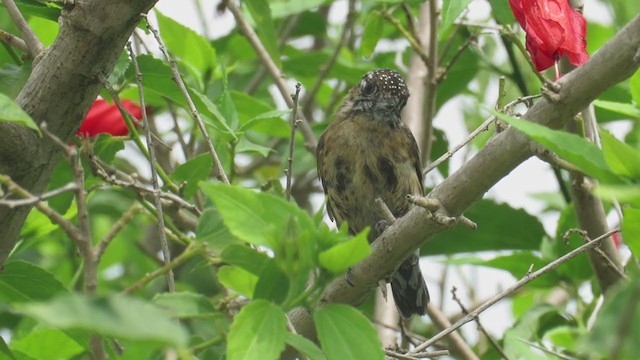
(92, 36)
(614, 62)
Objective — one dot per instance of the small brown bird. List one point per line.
(366, 153)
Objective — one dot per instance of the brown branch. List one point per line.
(37, 198)
(614, 62)
(14, 41)
(34, 45)
(479, 324)
(101, 246)
(175, 75)
(187, 254)
(292, 140)
(166, 253)
(457, 343)
(511, 289)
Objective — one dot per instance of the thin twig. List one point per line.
(483, 127)
(525, 280)
(385, 211)
(34, 44)
(431, 354)
(584, 235)
(480, 327)
(273, 69)
(175, 72)
(14, 41)
(11, 203)
(455, 341)
(187, 254)
(292, 140)
(412, 40)
(117, 177)
(164, 245)
(325, 68)
(129, 120)
(83, 241)
(67, 226)
(459, 51)
(431, 83)
(101, 246)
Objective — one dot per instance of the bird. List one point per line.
(367, 152)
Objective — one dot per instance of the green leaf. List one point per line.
(186, 44)
(185, 305)
(618, 324)
(621, 108)
(158, 84)
(23, 282)
(533, 322)
(451, 9)
(267, 215)
(107, 146)
(261, 14)
(238, 280)
(273, 284)
(342, 256)
(622, 158)
(346, 334)
(47, 344)
(192, 172)
(12, 112)
(629, 194)
(522, 232)
(578, 269)
(284, 8)
(258, 332)
(39, 9)
(211, 230)
(4, 349)
(502, 13)
(578, 151)
(269, 123)
(631, 230)
(245, 257)
(305, 346)
(13, 78)
(246, 146)
(46, 30)
(372, 33)
(118, 316)
(564, 336)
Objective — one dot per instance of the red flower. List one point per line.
(553, 29)
(105, 118)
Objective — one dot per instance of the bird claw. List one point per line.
(347, 277)
(380, 227)
(551, 91)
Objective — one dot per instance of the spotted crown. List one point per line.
(389, 82)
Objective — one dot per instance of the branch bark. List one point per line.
(614, 62)
(60, 90)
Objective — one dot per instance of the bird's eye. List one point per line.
(368, 88)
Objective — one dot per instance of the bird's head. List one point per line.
(381, 95)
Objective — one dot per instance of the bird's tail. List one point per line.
(409, 289)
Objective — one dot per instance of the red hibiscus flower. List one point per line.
(105, 118)
(553, 29)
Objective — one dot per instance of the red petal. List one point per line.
(553, 29)
(105, 118)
